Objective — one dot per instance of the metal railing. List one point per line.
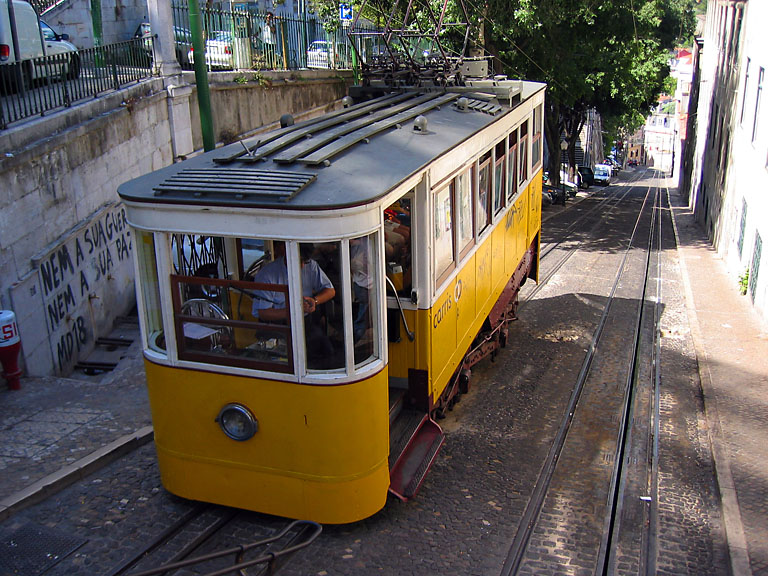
(243, 40)
(234, 41)
(39, 85)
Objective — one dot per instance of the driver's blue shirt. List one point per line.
(313, 281)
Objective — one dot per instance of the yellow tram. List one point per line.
(311, 298)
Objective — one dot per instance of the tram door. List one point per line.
(398, 254)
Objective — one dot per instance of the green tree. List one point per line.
(601, 54)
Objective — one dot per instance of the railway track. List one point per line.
(592, 216)
(598, 482)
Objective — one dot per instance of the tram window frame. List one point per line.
(326, 320)
(442, 223)
(185, 351)
(512, 165)
(536, 139)
(365, 350)
(484, 215)
(523, 143)
(465, 214)
(151, 309)
(499, 178)
(400, 270)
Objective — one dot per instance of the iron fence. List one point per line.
(243, 40)
(39, 85)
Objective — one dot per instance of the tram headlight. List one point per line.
(237, 422)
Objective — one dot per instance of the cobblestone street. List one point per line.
(468, 511)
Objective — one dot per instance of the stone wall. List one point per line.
(66, 266)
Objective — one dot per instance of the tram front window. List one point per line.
(322, 309)
(244, 317)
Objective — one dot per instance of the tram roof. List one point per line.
(342, 159)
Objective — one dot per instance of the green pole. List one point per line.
(201, 76)
(355, 66)
(98, 32)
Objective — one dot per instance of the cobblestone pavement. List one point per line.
(466, 514)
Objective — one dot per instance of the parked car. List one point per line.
(181, 36)
(546, 198)
(322, 54)
(218, 50)
(603, 174)
(558, 195)
(36, 39)
(632, 162)
(587, 176)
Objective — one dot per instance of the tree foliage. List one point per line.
(607, 55)
(603, 54)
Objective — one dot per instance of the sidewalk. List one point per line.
(732, 352)
(54, 430)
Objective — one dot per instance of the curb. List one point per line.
(56, 482)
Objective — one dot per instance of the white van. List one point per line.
(36, 39)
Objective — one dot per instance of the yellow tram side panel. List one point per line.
(459, 312)
(320, 452)
(452, 323)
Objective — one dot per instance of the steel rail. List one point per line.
(528, 522)
(614, 197)
(606, 563)
(571, 251)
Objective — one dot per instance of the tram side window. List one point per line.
(150, 291)
(498, 177)
(484, 193)
(398, 244)
(217, 317)
(512, 165)
(443, 231)
(523, 152)
(464, 210)
(363, 277)
(322, 305)
(536, 140)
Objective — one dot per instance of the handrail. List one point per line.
(411, 335)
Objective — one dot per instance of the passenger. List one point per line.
(317, 289)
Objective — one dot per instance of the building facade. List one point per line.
(725, 165)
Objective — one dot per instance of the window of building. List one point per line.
(744, 91)
(760, 76)
(743, 227)
(755, 268)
